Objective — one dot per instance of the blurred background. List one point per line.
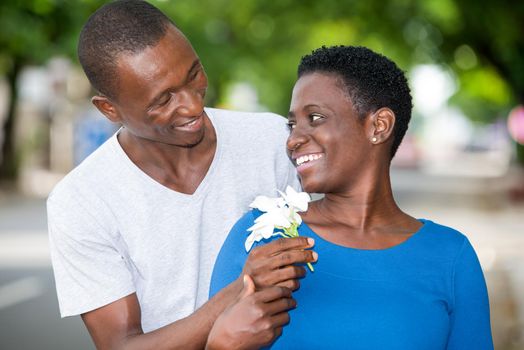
(461, 164)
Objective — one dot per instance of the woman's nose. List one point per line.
(296, 139)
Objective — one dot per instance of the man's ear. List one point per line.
(382, 125)
(107, 108)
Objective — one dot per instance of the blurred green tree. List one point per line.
(261, 42)
(31, 32)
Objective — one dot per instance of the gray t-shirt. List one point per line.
(115, 231)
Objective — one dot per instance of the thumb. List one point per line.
(249, 287)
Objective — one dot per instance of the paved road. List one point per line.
(28, 306)
(29, 311)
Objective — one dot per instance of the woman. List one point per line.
(383, 279)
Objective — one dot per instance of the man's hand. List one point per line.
(273, 264)
(254, 320)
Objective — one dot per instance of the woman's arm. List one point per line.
(470, 319)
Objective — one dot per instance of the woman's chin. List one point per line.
(311, 187)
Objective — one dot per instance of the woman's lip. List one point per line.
(304, 166)
(307, 157)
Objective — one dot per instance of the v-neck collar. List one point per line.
(204, 184)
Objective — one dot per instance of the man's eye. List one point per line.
(194, 75)
(291, 125)
(164, 101)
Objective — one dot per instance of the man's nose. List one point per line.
(190, 103)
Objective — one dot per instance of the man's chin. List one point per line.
(195, 142)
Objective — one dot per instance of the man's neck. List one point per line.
(178, 168)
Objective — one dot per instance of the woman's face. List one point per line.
(328, 143)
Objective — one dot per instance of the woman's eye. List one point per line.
(316, 117)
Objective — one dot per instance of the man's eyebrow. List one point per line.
(290, 114)
(195, 64)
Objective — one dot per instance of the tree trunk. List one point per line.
(10, 160)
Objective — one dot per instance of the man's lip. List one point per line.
(187, 121)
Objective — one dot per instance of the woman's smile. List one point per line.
(306, 161)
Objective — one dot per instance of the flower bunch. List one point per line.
(280, 214)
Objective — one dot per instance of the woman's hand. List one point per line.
(254, 320)
(273, 264)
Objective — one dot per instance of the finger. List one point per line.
(293, 285)
(278, 332)
(293, 257)
(249, 287)
(290, 272)
(277, 276)
(280, 320)
(269, 294)
(280, 305)
(284, 244)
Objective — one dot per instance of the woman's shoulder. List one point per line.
(443, 240)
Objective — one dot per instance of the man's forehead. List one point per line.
(172, 47)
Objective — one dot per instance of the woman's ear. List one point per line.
(107, 108)
(382, 125)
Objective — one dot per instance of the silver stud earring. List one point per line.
(374, 139)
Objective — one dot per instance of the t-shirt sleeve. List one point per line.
(232, 255)
(470, 319)
(287, 171)
(89, 270)
(292, 178)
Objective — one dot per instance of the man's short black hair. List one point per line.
(124, 26)
(371, 80)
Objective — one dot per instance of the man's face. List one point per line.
(160, 93)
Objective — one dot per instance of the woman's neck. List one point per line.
(369, 204)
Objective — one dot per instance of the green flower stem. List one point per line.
(292, 231)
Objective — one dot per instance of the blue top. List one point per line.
(425, 293)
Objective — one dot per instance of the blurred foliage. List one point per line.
(261, 42)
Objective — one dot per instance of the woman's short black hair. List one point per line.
(371, 80)
(125, 26)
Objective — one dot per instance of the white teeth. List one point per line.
(307, 158)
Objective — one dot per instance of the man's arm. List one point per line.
(117, 325)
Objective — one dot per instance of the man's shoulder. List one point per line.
(87, 175)
(259, 129)
(246, 119)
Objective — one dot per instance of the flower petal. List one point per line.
(279, 217)
(249, 242)
(264, 203)
(298, 200)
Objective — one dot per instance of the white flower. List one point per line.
(264, 203)
(265, 224)
(279, 213)
(297, 200)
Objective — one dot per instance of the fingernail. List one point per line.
(315, 256)
(310, 241)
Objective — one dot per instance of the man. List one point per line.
(135, 229)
